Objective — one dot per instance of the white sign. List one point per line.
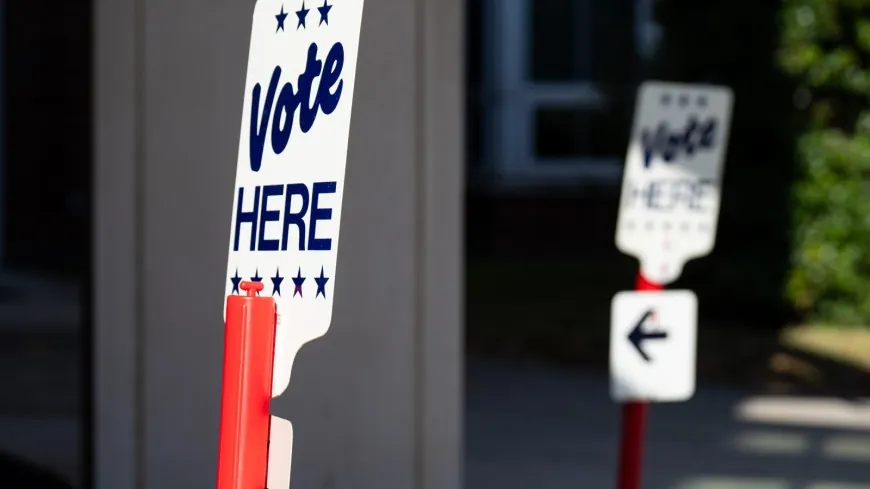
(672, 179)
(652, 346)
(290, 172)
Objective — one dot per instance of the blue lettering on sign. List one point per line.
(696, 136)
(326, 99)
(668, 193)
(261, 211)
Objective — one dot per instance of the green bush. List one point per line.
(825, 46)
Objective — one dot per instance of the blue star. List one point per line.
(324, 13)
(297, 282)
(236, 280)
(281, 18)
(321, 284)
(257, 278)
(276, 282)
(300, 14)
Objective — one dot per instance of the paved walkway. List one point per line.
(51, 442)
(537, 428)
(33, 303)
(40, 372)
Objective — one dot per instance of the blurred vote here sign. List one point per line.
(671, 185)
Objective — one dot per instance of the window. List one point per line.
(558, 84)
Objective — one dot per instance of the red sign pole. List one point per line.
(634, 415)
(249, 345)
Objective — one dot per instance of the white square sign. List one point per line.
(652, 346)
(671, 186)
(290, 167)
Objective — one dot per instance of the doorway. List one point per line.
(45, 163)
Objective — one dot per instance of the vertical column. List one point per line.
(117, 272)
(441, 196)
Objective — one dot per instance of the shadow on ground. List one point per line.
(18, 473)
(550, 428)
(558, 312)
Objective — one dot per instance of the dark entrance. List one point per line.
(46, 165)
(45, 242)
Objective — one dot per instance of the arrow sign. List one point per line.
(668, 320)
(638, 335)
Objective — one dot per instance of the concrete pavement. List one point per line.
(541, 428)
(41, 372)
(34, 303)
(534, 427)
(51, 442)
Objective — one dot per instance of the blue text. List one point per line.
(696, 136)
(326, 99)
(293, 206)
(669, 193)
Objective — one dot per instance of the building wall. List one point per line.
(377, 402)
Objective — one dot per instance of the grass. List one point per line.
(848, 346)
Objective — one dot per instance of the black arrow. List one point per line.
(638, 336)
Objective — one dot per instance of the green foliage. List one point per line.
(825, 46)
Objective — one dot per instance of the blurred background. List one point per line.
(784, 344)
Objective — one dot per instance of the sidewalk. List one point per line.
(31, 303)
(40, 345)
(40, 371)
(51, 442)
(531, 427)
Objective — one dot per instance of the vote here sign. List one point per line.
(671, 185)
(291, 161)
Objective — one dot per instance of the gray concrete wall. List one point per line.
(377, 402)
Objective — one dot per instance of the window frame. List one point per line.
(513, 99)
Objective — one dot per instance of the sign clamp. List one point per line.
(254, 447)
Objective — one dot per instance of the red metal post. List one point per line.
(249, 345)
(634, 416)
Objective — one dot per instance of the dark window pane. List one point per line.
(580, 39)
(559, 40)
(567, 132)
(473, 83)
(474, 21)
